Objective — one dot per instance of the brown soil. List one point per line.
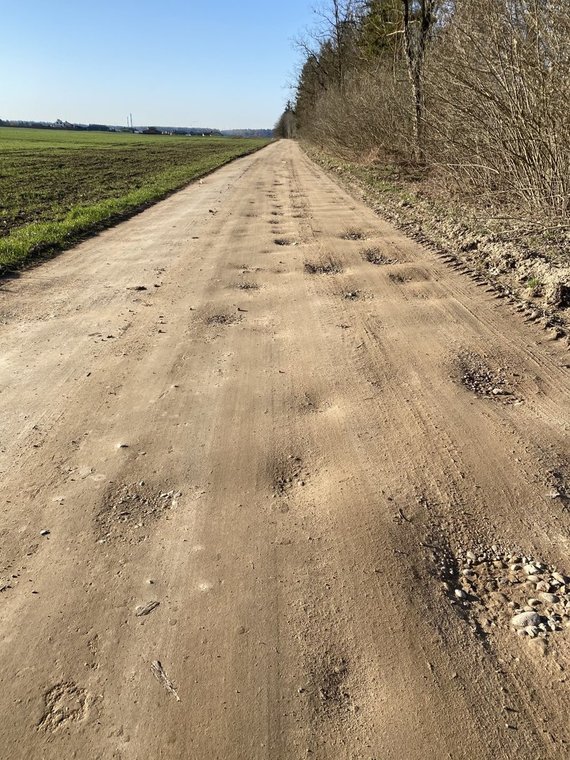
(284, 522)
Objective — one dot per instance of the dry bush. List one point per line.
(496, 83)
(370, 117)
(498, 86)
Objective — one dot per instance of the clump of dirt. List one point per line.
(352, 295)
(326, 266)
(352, 234)
(374, 256)
(505, 589)
(475, 374)
(560, 295)
(223, 319)
(128, 508)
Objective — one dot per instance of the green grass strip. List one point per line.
(42, 239)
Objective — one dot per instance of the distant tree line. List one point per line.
(59, 124)
(475, 91)
(286, 126)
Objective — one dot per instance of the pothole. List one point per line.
(247, 285)
(325, 266)
(353, 234)
(501, 589)
(329, 679)
(309, 403)
(287, 475)
(127, 509)
(375, 256)
(223, 319)
(478, 377)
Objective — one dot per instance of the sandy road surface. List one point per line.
(306, 462)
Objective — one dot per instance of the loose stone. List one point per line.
(548, 598)
(524, 619)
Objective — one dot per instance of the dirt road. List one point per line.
(275, 480)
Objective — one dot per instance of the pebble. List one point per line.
(548, 598)
(44, 532)
(524, 619)
(484, 577)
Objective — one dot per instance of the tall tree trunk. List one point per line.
(415, 43)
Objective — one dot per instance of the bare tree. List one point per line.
(418, 21)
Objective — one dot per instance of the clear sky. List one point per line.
(216, 64)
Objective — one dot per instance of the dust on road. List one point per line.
(261, 499)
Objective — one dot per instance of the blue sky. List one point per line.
(171, 62)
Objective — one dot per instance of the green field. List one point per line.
(56, 187)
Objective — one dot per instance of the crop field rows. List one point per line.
(58, 186)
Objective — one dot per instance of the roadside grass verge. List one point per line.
(57, 189)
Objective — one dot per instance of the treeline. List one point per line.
(477, 92)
